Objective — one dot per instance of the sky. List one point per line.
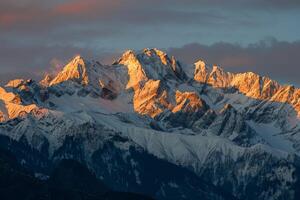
(263, 36)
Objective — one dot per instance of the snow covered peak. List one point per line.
(11, 105)
(201, 72)
(154, 78)
(77, 61)
(134, 67)
(150, 64)
(46, 80)
(214, 76)
(249, 84)
(156, 54)
(75, 70)
(200, 64)
(15, 83)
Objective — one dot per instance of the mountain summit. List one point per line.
(78, 70)
(150, 64)
(144, 125)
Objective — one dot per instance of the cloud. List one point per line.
(276, 59)
(117, 11)
(46, 19)
(34, 10)
(14, 14)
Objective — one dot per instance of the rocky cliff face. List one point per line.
(228, 135)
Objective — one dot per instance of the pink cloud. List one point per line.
(19, 16)
(33, 13)
(75, 7)
(8, 19)
(87, 6)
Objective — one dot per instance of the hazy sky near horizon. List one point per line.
(240, 35)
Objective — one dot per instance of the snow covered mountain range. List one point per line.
(146, 125)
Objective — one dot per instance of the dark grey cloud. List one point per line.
(276, 59)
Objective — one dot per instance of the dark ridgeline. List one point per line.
(69, 180)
